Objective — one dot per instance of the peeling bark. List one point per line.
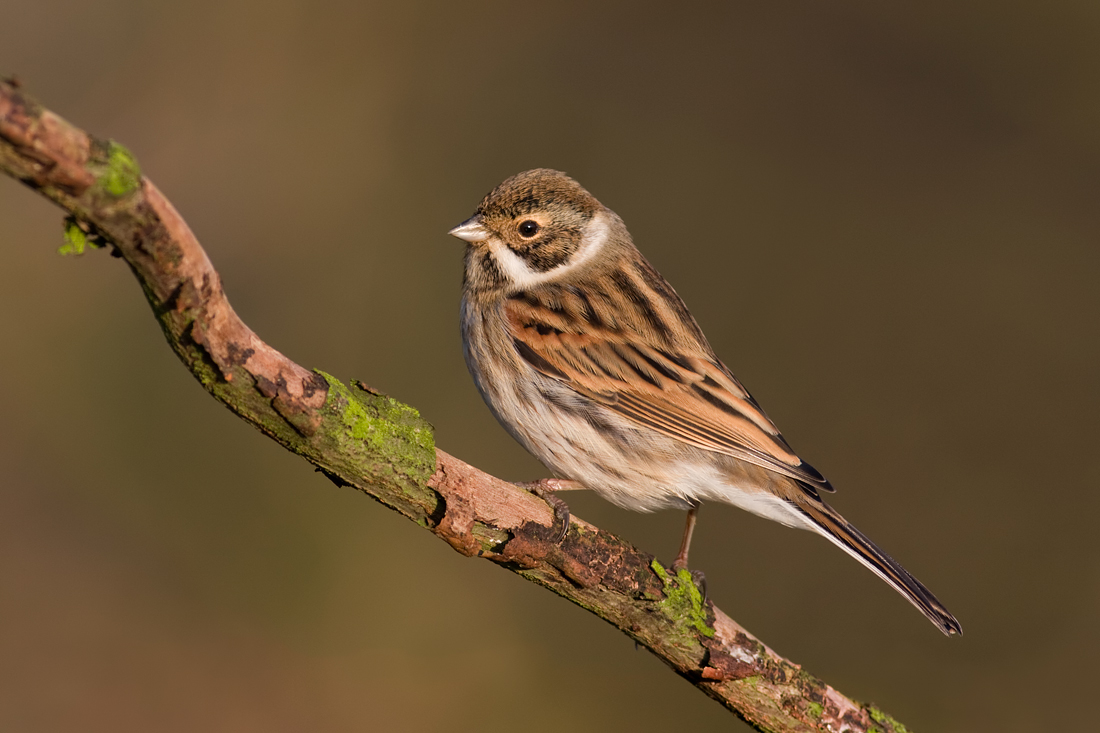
(361, 438)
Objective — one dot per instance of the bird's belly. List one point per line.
(579, 439)
(629, 465)
(617, 460)
(575, 437)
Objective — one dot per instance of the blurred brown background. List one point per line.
(885, 218)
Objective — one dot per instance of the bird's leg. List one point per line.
(552, 484)
(544, 489)
(685, 544)
(681, 561)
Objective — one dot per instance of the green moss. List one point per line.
(122, 175)
(79, 236)
(387, 429)
(75, 238)
(815, 709)
(880, 717)
(683, 602)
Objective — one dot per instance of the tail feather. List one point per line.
(837, 530)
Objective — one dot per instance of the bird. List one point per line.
(587, 356)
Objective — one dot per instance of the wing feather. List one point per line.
(654, 368)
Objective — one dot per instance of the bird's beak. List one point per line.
(471, 230)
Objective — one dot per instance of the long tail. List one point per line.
(837, 530)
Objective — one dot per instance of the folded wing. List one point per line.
(664, 378)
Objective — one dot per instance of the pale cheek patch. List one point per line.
(513, 266)
(517, 271)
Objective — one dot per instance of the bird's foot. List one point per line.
(697, 576)
(544, 489)
(551, 485)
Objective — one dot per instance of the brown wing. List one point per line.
(641, 354)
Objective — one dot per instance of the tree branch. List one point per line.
(364, 439)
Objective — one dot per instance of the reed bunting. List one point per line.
(590, 359)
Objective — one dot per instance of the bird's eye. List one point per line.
(528, 228)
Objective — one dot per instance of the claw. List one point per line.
(700, 581)
(697, 577)
(544, 489)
